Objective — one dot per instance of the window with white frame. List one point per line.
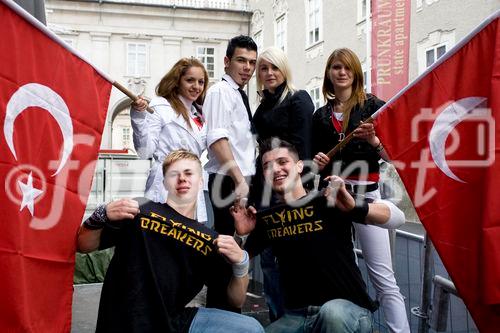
(280, 29)
(365, 75)
(316, 97)
(257, 26)
(361, 10)
(137, 59)
(433, 54)
(257, 37)
(314, 15)
(207, 57)
(431, 48)
(126, 137)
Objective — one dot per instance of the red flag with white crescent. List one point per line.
(443, 134)
(52, 112)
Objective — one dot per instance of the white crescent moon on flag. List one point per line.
(38, 95)
(445, 122)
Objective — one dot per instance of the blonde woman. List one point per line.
(285, 113)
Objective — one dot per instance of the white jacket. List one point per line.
(157, 134)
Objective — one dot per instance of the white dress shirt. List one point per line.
(227, 117)
(157, 134)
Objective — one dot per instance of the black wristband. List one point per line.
(98, 219)
(359, 212)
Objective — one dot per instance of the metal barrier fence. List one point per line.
(409, 265)
(117, 176)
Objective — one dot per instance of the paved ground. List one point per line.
(85, 306)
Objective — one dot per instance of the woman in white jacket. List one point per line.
(176, 123)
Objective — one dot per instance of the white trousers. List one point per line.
(374, 242)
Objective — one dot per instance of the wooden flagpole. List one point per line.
(130, 95)
(344, 142)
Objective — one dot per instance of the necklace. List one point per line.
(337, 124)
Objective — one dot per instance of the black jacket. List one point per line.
(290, 120)
(325, 137)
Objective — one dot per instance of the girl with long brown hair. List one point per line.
(347, 107)
(176, 123)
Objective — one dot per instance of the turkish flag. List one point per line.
(52, 112)
(443, 134)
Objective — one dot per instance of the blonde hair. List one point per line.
(349, 59)
(178, 155)
(278, 58)
(169, 86)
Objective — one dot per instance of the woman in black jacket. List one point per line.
(286, 113)
(347, 107)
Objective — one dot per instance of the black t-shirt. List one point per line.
(314, 249)
(162, 260)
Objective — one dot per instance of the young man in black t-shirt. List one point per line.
(311, 238)
(162, 259)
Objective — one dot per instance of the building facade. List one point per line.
(137, 41)
(309, 30)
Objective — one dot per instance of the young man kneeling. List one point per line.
(162, 259)
(311, 237)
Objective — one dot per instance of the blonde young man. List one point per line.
(162, 259)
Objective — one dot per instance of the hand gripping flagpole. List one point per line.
(37, 24)
(130, 95)
(346, 140)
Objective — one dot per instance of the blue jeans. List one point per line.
(215, 321)
(338, 315)
(272, 286)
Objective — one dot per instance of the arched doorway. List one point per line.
(121, 129)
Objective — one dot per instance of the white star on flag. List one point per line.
(29, 194)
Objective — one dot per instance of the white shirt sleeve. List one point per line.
(397, 217)
(217, 110)
(146, 131)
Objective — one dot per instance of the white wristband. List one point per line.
(241, 269)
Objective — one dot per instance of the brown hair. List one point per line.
(275, 143)
(170, 84)
(178, 155)
(358, 96)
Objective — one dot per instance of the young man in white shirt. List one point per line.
(231, 146)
